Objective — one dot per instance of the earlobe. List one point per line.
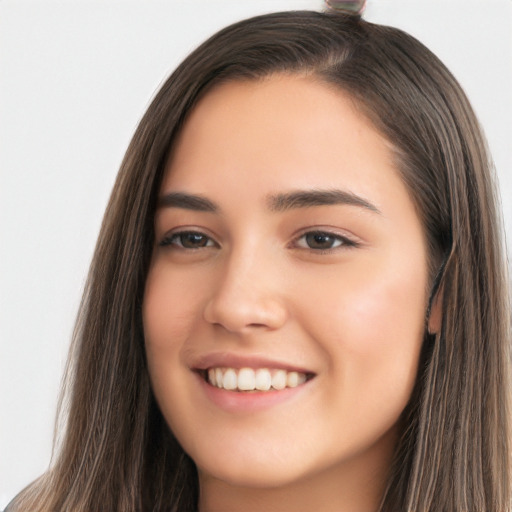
(435, 316)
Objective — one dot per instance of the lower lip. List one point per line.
(236, 401)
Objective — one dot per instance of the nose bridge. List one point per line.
(247, 292)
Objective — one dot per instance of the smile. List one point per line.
(250, 379)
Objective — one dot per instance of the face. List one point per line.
(285, 304)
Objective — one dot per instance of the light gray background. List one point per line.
(75, 77)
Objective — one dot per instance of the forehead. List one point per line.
(285, 131)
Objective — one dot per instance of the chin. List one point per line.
(253, 471)
(255, 478)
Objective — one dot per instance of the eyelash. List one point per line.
(339, 241)
(342, 242)
(169, 240)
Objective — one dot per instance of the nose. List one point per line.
(248, 295)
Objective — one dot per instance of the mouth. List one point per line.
(250, 380)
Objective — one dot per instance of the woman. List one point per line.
(298, 294)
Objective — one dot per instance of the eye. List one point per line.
(323, 241)
(188, 240)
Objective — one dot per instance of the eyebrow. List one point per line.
(276, 203)
(187, 202)
(309, 198)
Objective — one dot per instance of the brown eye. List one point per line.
(193, 240)
(188, 240)
(322, 241)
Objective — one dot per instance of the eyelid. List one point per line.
(166, 240)
(348, 241)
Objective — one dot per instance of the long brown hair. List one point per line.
(118, 454)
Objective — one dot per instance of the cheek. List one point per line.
(169, 313)
(367, 309)
(370, 324)
(386, 314)
(170, 309)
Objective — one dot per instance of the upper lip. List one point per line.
(234, 360)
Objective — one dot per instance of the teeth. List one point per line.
(294, 379)
(279, 379)
(229, 381)
(247, 379)
(218, 378)
(263, 380)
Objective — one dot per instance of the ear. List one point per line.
(436, 313)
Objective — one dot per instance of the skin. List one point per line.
(352, 315)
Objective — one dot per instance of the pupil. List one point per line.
(319, 241)
(193, 240)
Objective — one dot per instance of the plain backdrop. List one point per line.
(75, 78)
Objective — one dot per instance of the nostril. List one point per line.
(239, 314)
